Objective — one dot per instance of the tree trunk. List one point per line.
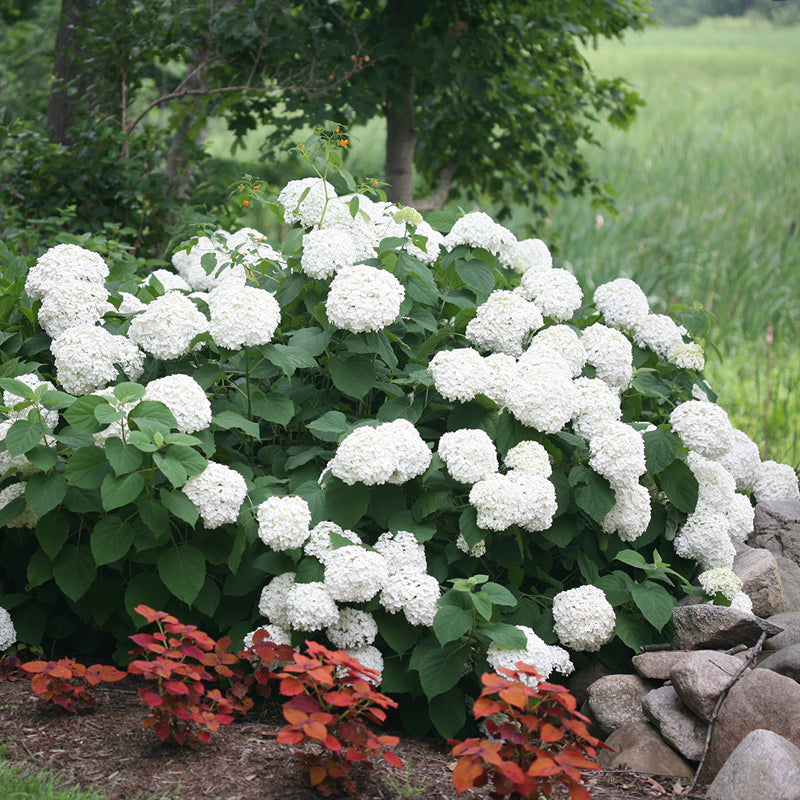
(401, 138)
(73, 78)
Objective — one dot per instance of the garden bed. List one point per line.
(106, 750)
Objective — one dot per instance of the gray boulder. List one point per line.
(763, 765)
(789, 622)
(761, 577)
(759, 699)
(702, 626)
(785, 661)
(700, 678)
(776, 527)
(657, 664)
(679, 728)
(638, 747)
(616, 700)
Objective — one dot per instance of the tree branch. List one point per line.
(442, 191)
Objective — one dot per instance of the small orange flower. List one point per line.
(245, 203)
(344, 142)
(257, 186)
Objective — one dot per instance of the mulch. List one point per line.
(106, 749)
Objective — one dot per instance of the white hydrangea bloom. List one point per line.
(130, 304)
(716, 486)
(720, 581)
(411, 455)
(13, 464)
(305, 200)
(617, 453)
(362, 457)
(283, 522)
(434, 242)
(369, 657)
(50, 416)
(189, 263)
(319, 543)
(416, 594)
(775, 481)
(583, 618)
(610, 353)
(704, 538)
(542, 657)
(61, 262)
(354, 574)
(658, 332)
(500, 370)
(531, 254)
(555, 291)
(477, 550)
(272, 602)
(354, 629)
(85, 358)
(541, 394)
(327, 250)
(622, 303)
(597, 404)
(185, 398)
(27, 517)
(310, 607)
(469, 454)
(165, 329)
(503, 322)
(365, 234)
(631, 513)
(530, 457)
(363, 298)
(402, 551)
(242, 316)
(742, 460)
(118, 429)
(703, 426)
(459, 374)
(252, 247)
(516, 498)
(741, 516)
(688, 356)
(562, 340)
(8, 634)
(478, 229)
(170, 281)
(73, 302)
(217, 493)
(742, 602)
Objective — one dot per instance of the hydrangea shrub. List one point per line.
(418, 441)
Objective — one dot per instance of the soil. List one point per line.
(107, 750)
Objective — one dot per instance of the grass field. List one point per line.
(708, 197)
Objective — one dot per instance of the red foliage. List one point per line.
(182, 660)
(331, 698)
(68, 683)
(537, 740)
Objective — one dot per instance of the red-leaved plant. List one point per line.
(181, 661)
(537, 739)
(331, 699)
(265, 656)
(68, 683)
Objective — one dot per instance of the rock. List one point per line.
(637, 746)
(700, 678)
(657, 664)
(679, 728)
(763, 765)
(790, 582)
(761, 577)
(789, 622)
(616, 700)
(776, 526)
(759, 699)
(716, 627)
(785, 661)
(581, 680)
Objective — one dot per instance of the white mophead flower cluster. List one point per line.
(283, 522)
(392, 452)
(541, 393)
(543, 657)
(306, 200)
(8, 634)
(583, 618)
(503, 323)
(622, 303)
(617, 453)
(459, 374)
(64, 261)
(610, 352)
(531, 254)
(660, 333)
(242, 316)
(478, 229)
(555, 292)
(327, 250)
(185, 398)
(166, 328)
(529, 457)
(514, 498)
(774, 481)
(354, 629)
(217, 493)
(363, 298)
(720, 581)
(310, 607)
(469, 454)
(703, 426)
(354, 574)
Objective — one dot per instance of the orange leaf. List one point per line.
(466, 773)
(549, 733)
(391, 758)
(543, 766)
(317, 775)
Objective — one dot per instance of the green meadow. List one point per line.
(707, 185)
